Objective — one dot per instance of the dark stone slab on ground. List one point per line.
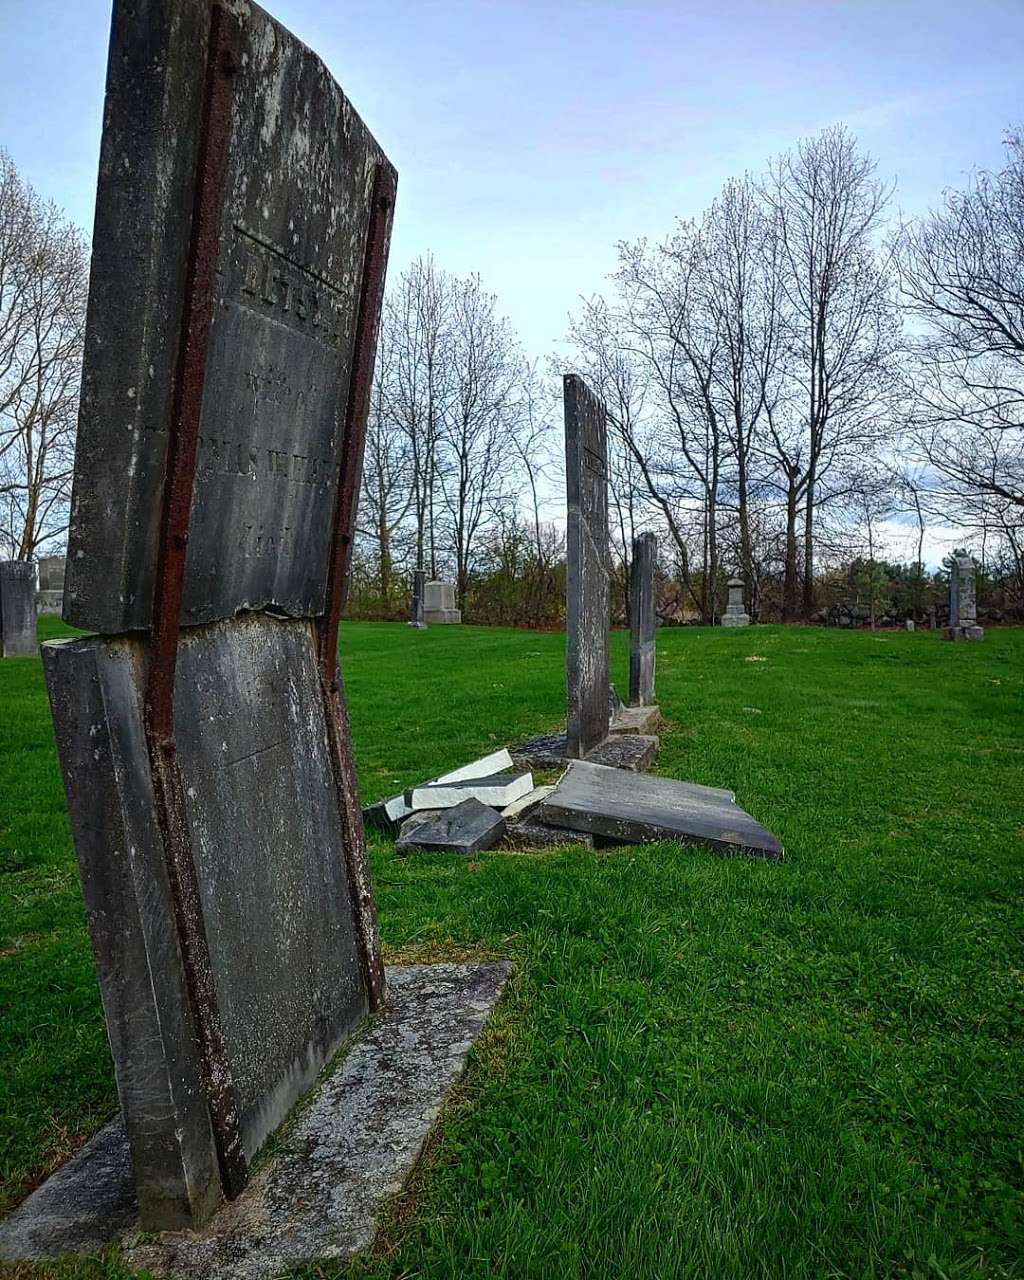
(320, 1197)
(619, 751)
(469, 827)
(296, 205)
(388, 815)
(18, 609)
(635, 809)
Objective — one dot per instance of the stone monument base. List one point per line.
(735, 619)
(965, 633)
(347, 1151)
(634, 751)
(643, 720)
(440, 617)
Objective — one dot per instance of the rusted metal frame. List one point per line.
(175, 516)
(378, 236)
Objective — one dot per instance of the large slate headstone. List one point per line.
(586, 585)
(963, 602)
(18, 609)
(242, 224)
(642, 622)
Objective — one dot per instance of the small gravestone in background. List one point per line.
(419, 579)
(909, 625)
(439, 604)
(51, 584)
(642, 622)
(963, 605)
(735, 615)
(18, 609)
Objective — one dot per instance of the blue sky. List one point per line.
(531, 136)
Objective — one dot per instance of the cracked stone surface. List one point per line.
(350, 1147)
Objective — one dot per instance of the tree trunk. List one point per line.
(791, 586)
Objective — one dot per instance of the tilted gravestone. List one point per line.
(586, 585)
(963, 603)
(735, 615)
(18, 609)
(419, 579)
(242, 227)
(642, 621)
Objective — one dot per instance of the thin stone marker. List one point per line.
(642, 622)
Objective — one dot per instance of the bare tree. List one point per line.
(962, 274)
(843, 329)
(43, 289)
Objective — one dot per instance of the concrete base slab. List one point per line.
(633, 751)
(965, 633)
(351, 1147)
(644, 720)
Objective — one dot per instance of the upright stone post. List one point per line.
(242, 224)
(642, 622)
(18, 609)
(419, 578)
(963, 604)
(735, 615)
(586, 580)
(51, 584)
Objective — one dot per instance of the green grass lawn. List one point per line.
(706, 1068)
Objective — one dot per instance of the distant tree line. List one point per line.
(786, 377)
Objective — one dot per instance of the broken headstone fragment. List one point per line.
(633, 751)
(519, 808)
(388, 815)
(497, 790)
(467, 827)
(634, 809)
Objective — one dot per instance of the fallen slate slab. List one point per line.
(633, 809)
(349, 1150)
(388, 815)
(466, 828)
(498, 790)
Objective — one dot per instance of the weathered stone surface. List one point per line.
(496, 790)
(320, 1197)
(300, 170)
(518, 809)
(735, 615)
(439, 604)
(642, 622)
(637, 809)
(621, 751)
(419, 579)
(643, 720)
(632, 751)
(50, 598)
(586, 583)
(909, 625)
(388, 815)
(465, 828)
(18, 609)
(535, 835)
(963, 605)
(269, 850)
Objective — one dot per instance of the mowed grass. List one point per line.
(702, 1067)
